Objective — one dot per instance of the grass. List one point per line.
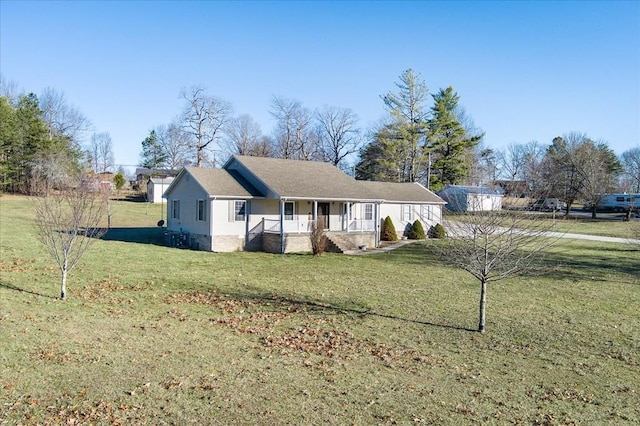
(153, 335)
(606, 225)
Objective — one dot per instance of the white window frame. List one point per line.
(175, 209)
(367, 211)
(237, 215)
(427, 212)
(293, 210)
(407, 212)
(201, 210)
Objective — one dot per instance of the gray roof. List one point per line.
(313, 179)
(222, 183)
(400, 192)
(303, 179)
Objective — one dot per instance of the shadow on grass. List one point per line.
(286, 303)
(573, 266)
(148, 235)
(594, 263)
(15, 288)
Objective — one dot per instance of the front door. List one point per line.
(323, 215)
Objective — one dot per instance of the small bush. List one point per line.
(388, 230)
(318, 240)
(438, 231)
(417, 231)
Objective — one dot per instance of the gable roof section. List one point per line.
(400, 192)
(297, 179)
(217, 183)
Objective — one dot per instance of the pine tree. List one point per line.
(152, 156)
(449, 141)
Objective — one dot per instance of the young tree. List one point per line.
(204, 118)
(68, 222)
(492, 246)
(449, 140)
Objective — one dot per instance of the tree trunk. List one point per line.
(568, 209)
(593, 212)
(63, 285)
(483, 305)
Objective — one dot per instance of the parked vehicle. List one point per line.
(546, 205)
(618, 203)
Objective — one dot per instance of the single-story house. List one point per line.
(269, 204)
(156, 187)
(461, 198)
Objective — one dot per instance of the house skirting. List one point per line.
(267, 242)
(297, 243)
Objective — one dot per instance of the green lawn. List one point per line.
(153, 335)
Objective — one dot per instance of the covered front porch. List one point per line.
(347, 224)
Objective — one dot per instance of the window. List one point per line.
(239, 208)
(175, 209)
(368, 211)
(406, 212)
(620, 199)
(427, 213)
(201, 210)
(289, 210)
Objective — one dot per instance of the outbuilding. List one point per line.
(462, 198)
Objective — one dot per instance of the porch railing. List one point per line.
(304, 226)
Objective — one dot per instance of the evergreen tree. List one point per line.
(449, 141)
(398, 153)
(388, 230)
(152, 156)
(417, 231)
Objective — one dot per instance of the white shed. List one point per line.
(471, 198)
(156, 187)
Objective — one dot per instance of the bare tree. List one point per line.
(100, 152)
(175, 143)
(292, 134)
(338, 132)
(492, 246)
(62, 119)
(9, 89)
(599, 167)
(204, 118)
(68, 222)
(631, 166)
(243, 136)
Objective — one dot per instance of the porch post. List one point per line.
(376, 226)
(315, 213)
(210, 219)
(281, 226)
(348, 214)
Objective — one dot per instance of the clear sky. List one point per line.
(524, 70)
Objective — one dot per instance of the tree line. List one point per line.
(45, 137)
(424, 137)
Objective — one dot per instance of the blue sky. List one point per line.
(524, 70)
